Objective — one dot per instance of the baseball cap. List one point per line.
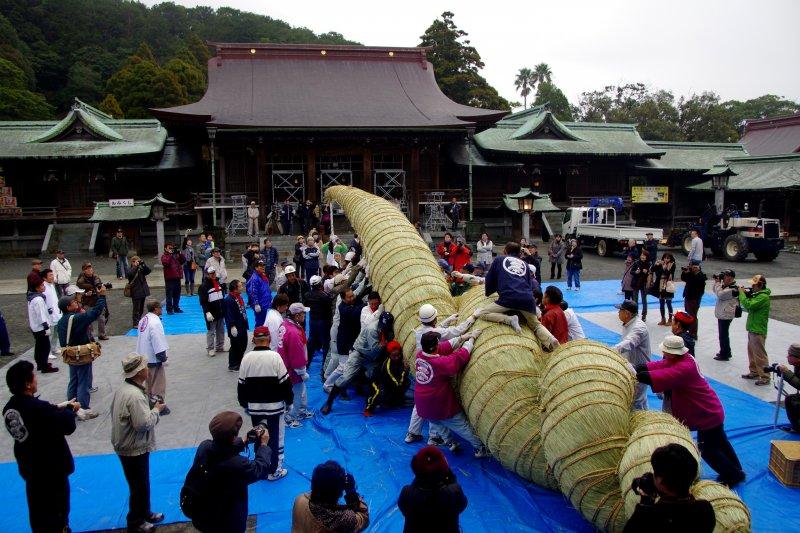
(349, 255)
(86, 265)
(72, 290)
(684, 318)
(211, 268)
(628, 305)
(64, 302)
(469, 267)
(386, 325)
(297, 307)
(728, 272)
(673, 344)
(260, 332)
(289, 270)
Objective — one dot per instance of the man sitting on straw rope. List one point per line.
(427, 318)
(510, 277)
(634, 345)
(434, 396)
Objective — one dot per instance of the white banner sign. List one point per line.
(121, 202)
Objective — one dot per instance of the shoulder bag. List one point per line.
(79, 355)
(129, 286)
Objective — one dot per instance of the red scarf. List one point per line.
(263, 276)
(216, 284)
(240, 302)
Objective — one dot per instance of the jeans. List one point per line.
(215, 335)
(300, 404)
(716, 450)
(276, 425)
(48, 503)
(553, 270)
(172, 287)
(188, 277)
(640, 397)
(237, 349)
(724, 327)
(137, 473)
(122, 266)
(41, 349)
(643, 292)
(668, 302)
(80, 379)
(574, 274)
(458, 424)
(287, 226)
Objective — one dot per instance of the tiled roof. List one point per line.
(756, 173)
(772, 136)
(690, 156)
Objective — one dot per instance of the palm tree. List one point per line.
(524, 83)
(542, 74)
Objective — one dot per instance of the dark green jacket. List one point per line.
(119, 246)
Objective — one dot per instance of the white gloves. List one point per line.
(449, 320)
(457, 274)
(234, 332)
(257, 308)
(209, 317)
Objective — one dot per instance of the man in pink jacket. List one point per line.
(690, 399)
(434, 396)
(292, 348)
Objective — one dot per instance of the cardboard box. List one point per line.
(784, 461)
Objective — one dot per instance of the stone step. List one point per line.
(72, 238)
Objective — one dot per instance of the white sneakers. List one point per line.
(52, 357)
(211, 353)
(279, 473)
(86, 414)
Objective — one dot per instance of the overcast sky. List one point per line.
(738, 48)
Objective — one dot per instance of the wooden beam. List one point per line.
(413, 193)
(436, 161)
(311, 174)
(366, 179)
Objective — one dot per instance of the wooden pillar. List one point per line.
(311, 175)
(366, 179)
(413, 193)
(435, 170)
(223, 184)
(261, 201)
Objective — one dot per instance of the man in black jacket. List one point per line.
(320, 304)
(223, 500)
(265, 391)
(294, 287)
(693, 291)
(236, 321)
(674, 471)
(140, 290)
(43, 455)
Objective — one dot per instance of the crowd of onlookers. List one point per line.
(324, 303)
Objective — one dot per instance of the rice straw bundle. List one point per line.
(588, 391)
(732, 514)
(649, 430)
(561, 420)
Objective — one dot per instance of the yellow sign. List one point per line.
(649, 195)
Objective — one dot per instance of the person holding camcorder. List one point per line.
(725, 310)
(666, 503)
(792, 377)
(214, 494)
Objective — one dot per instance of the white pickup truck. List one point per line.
(596, 227)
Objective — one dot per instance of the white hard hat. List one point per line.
(289, 270)
(349, 255)
(427, 313)
(315, 280)
(211, 269)
(532, 268)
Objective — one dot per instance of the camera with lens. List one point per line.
(108, 286)
(646, 483)
(748, 292)
(774, 368)
(254, 435)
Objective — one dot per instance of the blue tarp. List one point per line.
(374, 451)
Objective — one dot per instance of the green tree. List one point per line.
(189, 76)
(766, 106)
(542, 73)
(143, 84)
(13, 49)
(11, 76)
(199, 50)
(559, 105)
(82, 82)
(524, 83)
(456, 64)
(16, 101)
(110, 106)
(704, 118)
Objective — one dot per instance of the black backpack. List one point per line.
(194, 498)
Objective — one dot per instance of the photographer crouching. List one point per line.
(666, 503)
(792, 377)
(214, 495)
(725, 310)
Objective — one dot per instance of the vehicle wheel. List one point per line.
(602, 248)
(735, 248)
(765, 257)
(687, 244)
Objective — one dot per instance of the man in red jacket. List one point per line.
(172, 261)
(461, 254)
(434, 395)
(553, 317)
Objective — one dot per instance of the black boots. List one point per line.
(329, 402)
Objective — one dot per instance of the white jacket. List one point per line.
(273, 322)
(484, 252)
(151, 339)
(219, 266)
(61, 271)
(51, 298)
(38, 315)
(252, 212)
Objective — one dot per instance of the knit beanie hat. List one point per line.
(225, 425)
(794, 354)
(430, 464)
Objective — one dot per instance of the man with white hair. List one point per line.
(252, 219)
(152, 343)
(427, 319)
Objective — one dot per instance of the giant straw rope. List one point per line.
(563, 419)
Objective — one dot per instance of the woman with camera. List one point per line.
(695, 404)
(663, 286)
(320, 510)
(641, 275)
